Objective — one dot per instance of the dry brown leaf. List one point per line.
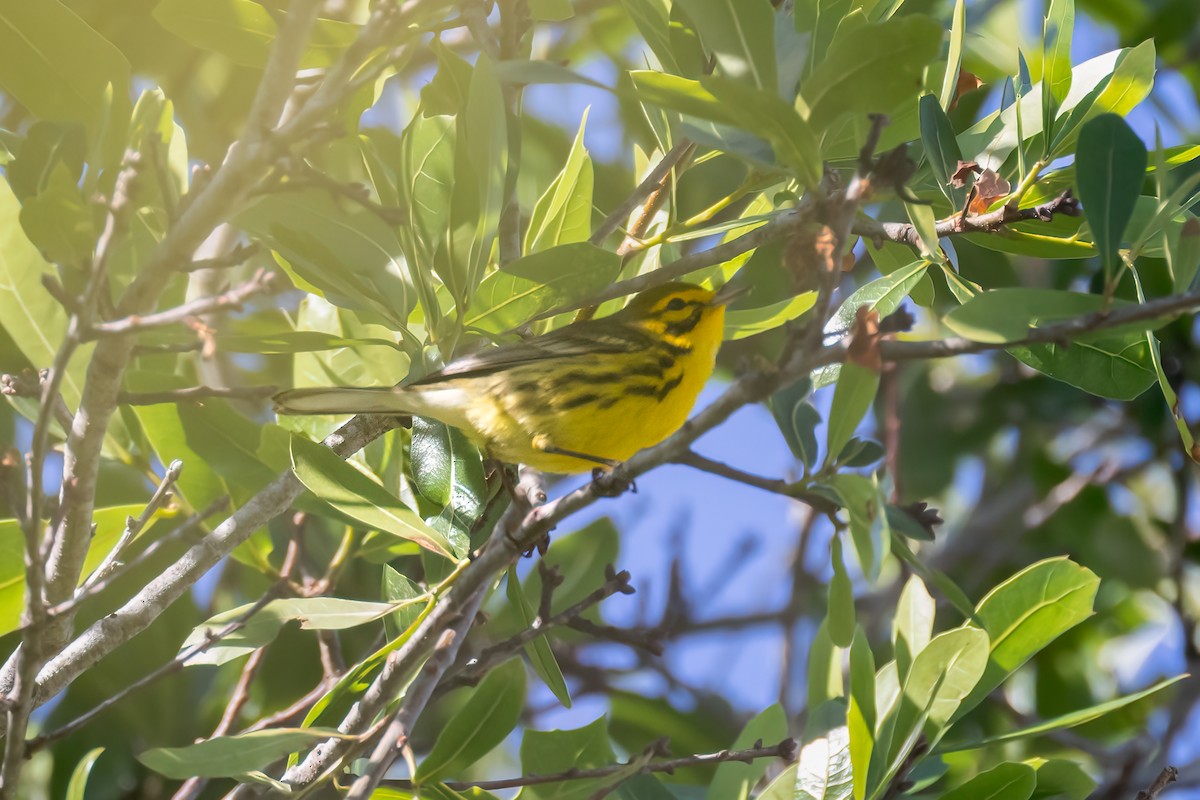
(809, 254)
(967, 82)
(864, 340)
(989, 187)
(966, 170)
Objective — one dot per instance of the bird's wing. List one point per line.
(573, 341)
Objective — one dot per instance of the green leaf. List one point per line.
(1027, 612)
(58, 221)
(922, 218)
(231, 756)
(487, 717)
(1110, 165)
(45, 147)
(823, 770)
(540, 654)
(740, 35)
(941, 148)
(653, 21)
(447, 92)
(244, 31)
(57, 66)
(426, 179)
(734, 780)
(110, 524)
(938, 579)
(397, 589)
(163, 426)
(958, 32)
(868, 527)
(766, 115)
(568, 273)
(680, 94)
(852, 399)
(1062, 779)
(912, 626)
(745, 322)
(1118, 367)
(227, 443)
(79, 776)
(1007, 314)
(797, 420)
(480, 171)
(551, 10)
(551, 752)
(870, 69)
(313, 613)
(1112, 82)
(840, 612)
(1056, 61)
(1064, 721)
(942, 675)
(563, 214)
(339, 250)
(354, 494)
(1185, 256)
(1164, 385)
(824, 668)
(1007, 781)
(448, 470)
(882, 295)
(861, 711)
(34, 319)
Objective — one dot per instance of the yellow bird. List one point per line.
(589, 394)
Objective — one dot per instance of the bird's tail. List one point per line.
(351, 400)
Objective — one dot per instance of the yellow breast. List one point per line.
(607, 406)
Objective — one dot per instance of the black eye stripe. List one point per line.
(678, 304)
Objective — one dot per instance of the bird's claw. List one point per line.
(606, 483)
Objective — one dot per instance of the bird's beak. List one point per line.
(728, 293)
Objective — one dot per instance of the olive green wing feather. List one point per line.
(577, 341)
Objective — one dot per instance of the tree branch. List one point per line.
(1057, 333)
(262, 281)
(397, 732)
(244, 165)
(615, 583)
(991, 222)
(786, 750)
(172, 666)
(654, 181)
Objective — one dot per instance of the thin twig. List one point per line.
(1165, 778)
(195, 394)
(24, 385)
(301, 175)
(775, 485)
(238, 254)
(657, 177)
(615, 583)
(405, 716)
(134, 526)
(1058, 333)
(262, 281)
(172, 666)
(179, 532)
(785, 750)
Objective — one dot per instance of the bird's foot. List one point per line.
(606, 483)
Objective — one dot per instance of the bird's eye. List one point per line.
(676, 304)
